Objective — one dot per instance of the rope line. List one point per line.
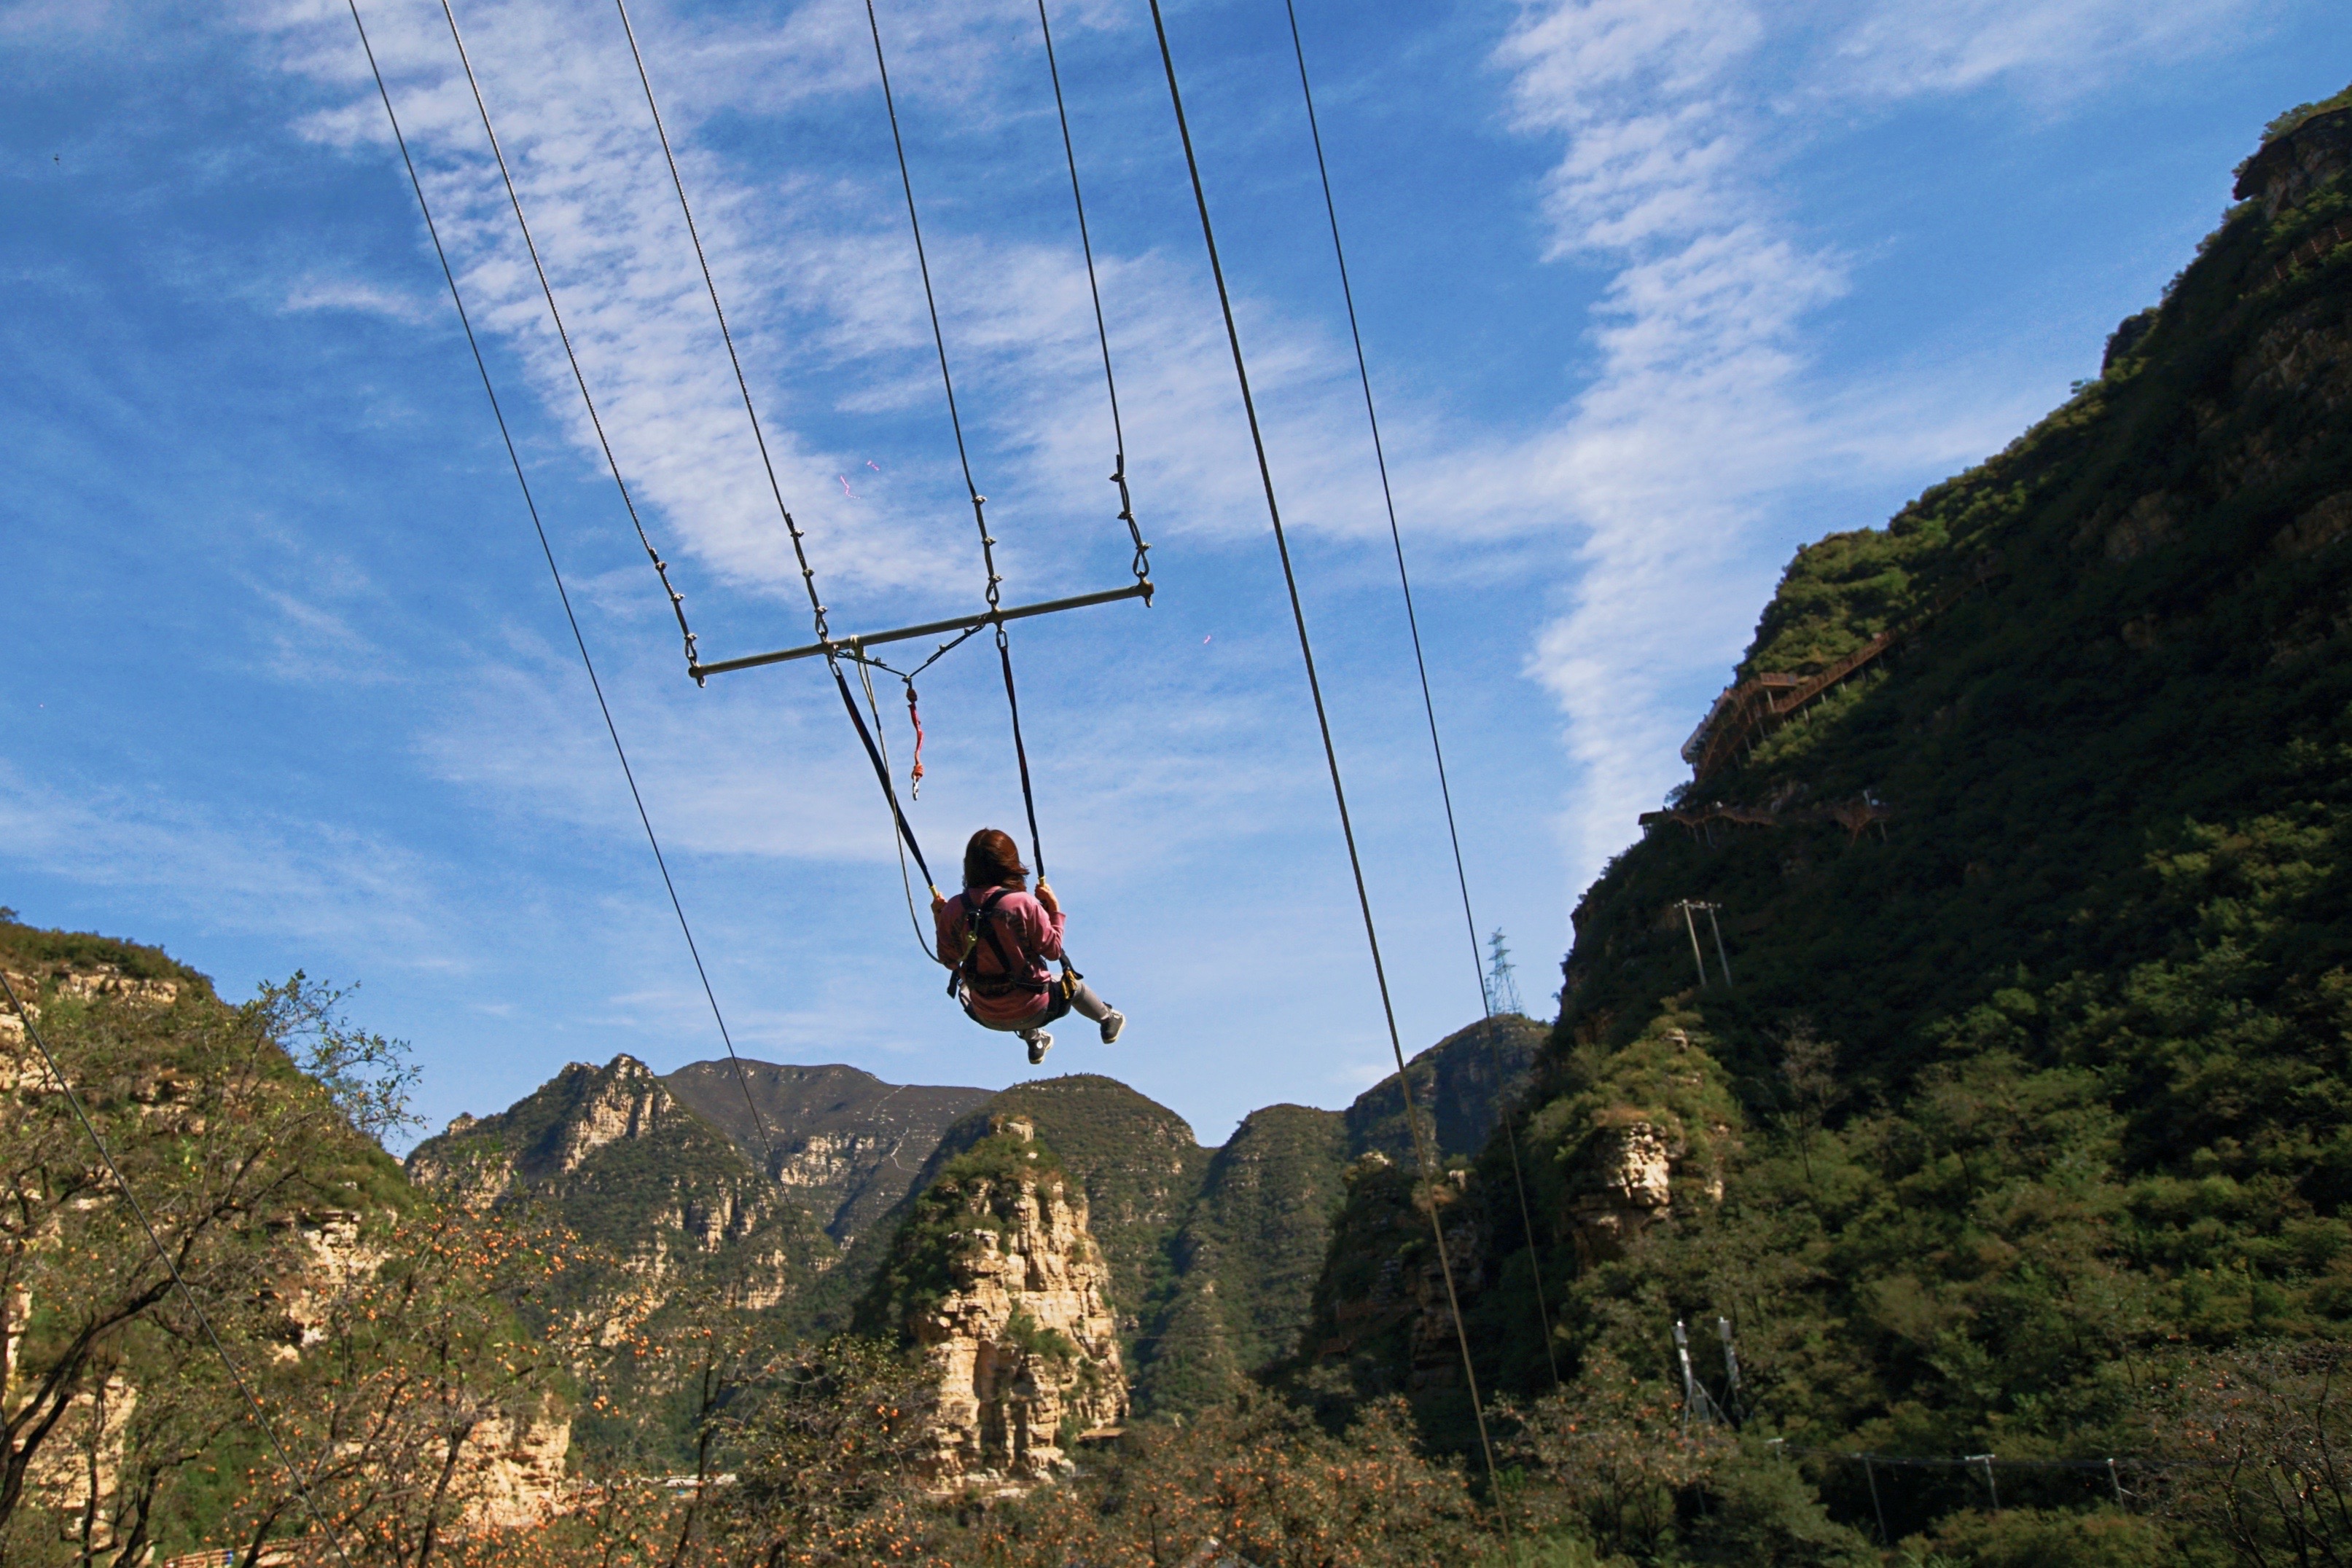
(538, 525)
(881, 772)
(931, 303)
(963, 457)
(1142, 563)
(678, 600)
(775, 489)
(694, 233)
(1020, 755)
(1421, 666)
(1330, 754)
(179, 1280)
(866, 679)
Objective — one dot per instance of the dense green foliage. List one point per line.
(2294, 117)
(2031, 1098)
(1246, 1257)
(365, 1321)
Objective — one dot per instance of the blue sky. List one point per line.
(1654, 290)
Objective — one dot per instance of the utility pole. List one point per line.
(1689, 906)
(1870, 1474)
(1731, 1371)
(1697, 1400)
(1688, 925)
(1992, 1491)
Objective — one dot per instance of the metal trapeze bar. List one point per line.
(927, 629)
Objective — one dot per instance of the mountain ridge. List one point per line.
(2038, 1018)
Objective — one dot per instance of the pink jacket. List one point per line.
(1029, 933)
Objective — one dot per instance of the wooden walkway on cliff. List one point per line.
(1744, 712)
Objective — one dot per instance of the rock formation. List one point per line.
(2293, 165)
(1656, 1123)
(302, 1262)
(847, 1146)
(615, 1158)
(997, 1283)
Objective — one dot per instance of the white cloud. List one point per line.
(1649, 497)
(1705, 415)
(2051, 49)
(360, 296)
(343, 888)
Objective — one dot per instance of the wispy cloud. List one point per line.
(2054, 50)
(1673, 118)
(358, 294)
(346, 889)
(1650, 498)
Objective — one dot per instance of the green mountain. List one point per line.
(614, 1158)
(1460, 1086)
(1212, 1254)
(1241, 1269)
(207, 1227)
(2027, 827)
(846, 1145)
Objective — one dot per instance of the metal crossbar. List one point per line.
(1142, 590)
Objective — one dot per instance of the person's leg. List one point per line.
(1088, 1005)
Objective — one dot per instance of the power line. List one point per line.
(547, 549)
(1330, 753)
(1428, 703)
(179, 1280)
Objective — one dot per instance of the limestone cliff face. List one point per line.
(625, 1165)
(999, 1285)
(511, 1465)
(847, 1146)
(1651, 1130)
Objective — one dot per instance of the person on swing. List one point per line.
(998, 938)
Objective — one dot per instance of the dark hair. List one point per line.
(992, 860)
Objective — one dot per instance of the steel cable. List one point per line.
(1421, 666)
(725, 334)
(539, 526)
(1422, 1143)
(758, 435)
(1142, 563)
(963, 457)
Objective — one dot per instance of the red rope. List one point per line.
(915, 779)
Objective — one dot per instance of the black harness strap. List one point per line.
(980, 925)
(881, 772)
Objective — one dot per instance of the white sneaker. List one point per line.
(1111, 1025)
(1040, 1043)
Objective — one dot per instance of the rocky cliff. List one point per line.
(2033, 866)
(847, 1146)
(995, 1277)
(1210, 1255)
(610, 1155)
(355, 1314)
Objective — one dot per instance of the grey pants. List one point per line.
(1083, 1002)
